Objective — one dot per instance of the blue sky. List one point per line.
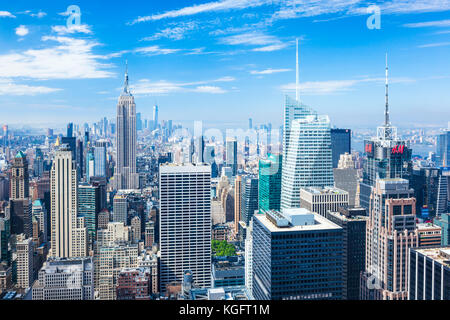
(225, 60)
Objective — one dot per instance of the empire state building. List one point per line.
(125, 176)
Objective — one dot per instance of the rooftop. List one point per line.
(320, 222)
(326, 190)
(440, 255)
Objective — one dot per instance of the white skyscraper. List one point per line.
(69, 235)
(125, 176)
(308, 161)
(185, 223)
(307, 155)
(155, 117)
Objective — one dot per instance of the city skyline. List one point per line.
(209, 60)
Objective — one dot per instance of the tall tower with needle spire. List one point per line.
(388, 156)
(125, 175)
(307, 157)
(297, 78)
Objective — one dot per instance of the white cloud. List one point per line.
(272, 47)
(6, 14)
(209, 89)
(22, 31)
(269, 71)
(69, 58)
(164, 87)
(336, 86)
(63, 30)
(438, 23)
(176, 32)
(216, 6)
(256, 38)
(8, 87)
(155, 50)
(437, 44)
(39, 14)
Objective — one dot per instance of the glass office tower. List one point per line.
(270, 182)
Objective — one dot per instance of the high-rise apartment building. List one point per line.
(125, 176)
(65, 279)
(320, 200)
(68, 233)
(287, 249)
(185, 223)
(390, 232)
(270, 182)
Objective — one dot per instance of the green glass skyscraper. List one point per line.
(270, 183)
(89, 207)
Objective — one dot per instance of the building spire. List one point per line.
(386, 113)
(297, 81)
(125, 86)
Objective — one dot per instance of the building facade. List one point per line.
(185, 223)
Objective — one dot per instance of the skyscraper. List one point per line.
(296, 255)
(443, 148)
(125, 176)
(20, 204)
(120, 208)
(307, 156)
(185, 223)
(70, 130)
(68, 234)
(390, 233)
(270, 183)
(308, 160)
(237, 202)
(429, 274)
(200, 149)
(231, 155)
(155, 117)
(341, 143)
(89, 207)
(388, 156)
(354, 248)
(25, 264)
(249, 202)
(20, 178)
(346, 178)
(100, 158)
